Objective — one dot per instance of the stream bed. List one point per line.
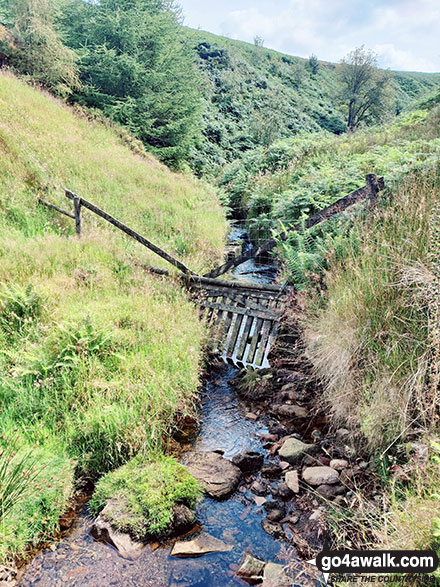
(225, 425)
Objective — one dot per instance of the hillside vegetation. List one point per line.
(97, 358)
(255, 96)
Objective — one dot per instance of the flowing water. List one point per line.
(79, 560)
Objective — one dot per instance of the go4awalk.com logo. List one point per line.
(377, 566)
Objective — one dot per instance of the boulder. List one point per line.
(292, 481)
(103, 531)
(251, 568)
(274, 576)
(203, 544)
(293, 450)
(248, 460)
(320, 476)
(218, 475)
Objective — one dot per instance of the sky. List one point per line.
(404, 33)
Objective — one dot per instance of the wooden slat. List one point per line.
(230, 308)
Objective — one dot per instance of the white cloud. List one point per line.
(404, 32)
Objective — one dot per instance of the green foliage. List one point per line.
(146, 491)
(137, 69)
(16, 472)
(313, 64)
(255, 96)
(20, 307)
(365, 89)
(39, 50)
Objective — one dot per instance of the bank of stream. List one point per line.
(227, 424)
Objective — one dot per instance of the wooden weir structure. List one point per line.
(244, 318)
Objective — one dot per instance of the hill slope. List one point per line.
(96, 357)
(256, 95)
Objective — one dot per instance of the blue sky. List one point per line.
(404, 33)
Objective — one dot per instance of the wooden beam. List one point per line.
(200, 281)
(132, 233)
(369, 191)
(53, 207)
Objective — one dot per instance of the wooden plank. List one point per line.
(132, 233)
(262, 313)
(265, 331)
(244, 337)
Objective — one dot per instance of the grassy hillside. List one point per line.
(255, 96)
(97, 359)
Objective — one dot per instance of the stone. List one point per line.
(260, 500)
(274, 576)
(271, 470)
(324, 460)
(279, 430)
(8, 576)
(269, 438)
(316, 516)
(251, 416)
(203, 544)
(338, 464)
(258, 488)
(342, 433)
(284, 465)
(248, 460)
(327, 491)
(274, 529)
(292, 481)
(320, 476)
(293, 449)
(251, 568)
(218, 475)
(103, 531)
(282, 490)
(290, 411)
(274, 505)
(275, 515)
(292, 519)
(183, 519)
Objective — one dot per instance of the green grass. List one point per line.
(146, 491)
(97, 358)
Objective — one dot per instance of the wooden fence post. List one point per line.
(373, 188)
(77, 208)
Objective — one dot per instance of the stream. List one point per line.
(225, 424)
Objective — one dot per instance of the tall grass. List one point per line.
(372, 340)
(97, 359)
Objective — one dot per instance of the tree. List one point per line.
(313, 64)
(40, 52)
(138, 69)
(365, 89)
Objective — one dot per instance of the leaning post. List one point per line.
(77, 209)
(373, 188)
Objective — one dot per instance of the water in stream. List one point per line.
(79, 560)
